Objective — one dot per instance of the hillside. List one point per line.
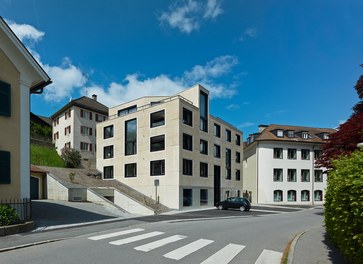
(43, 156)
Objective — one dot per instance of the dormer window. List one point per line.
(280, 133)
(326, 136)
(305, 135)
(290, 133)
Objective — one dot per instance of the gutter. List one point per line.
(38, 88)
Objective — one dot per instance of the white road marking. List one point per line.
(225, 255)
(135, 238)
(159, 243)
(269, 257)
(120, 233)
(188, 249)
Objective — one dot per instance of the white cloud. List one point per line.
(188, 15)
(25, 32)
(134, 86)
(65, 77)
(248, 33)
(232, 107)
(213, 9)
(246, 124)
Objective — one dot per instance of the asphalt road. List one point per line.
(248, 237)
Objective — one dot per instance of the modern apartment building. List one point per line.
(20, 76)
(74, 126)
(172, 149)
(279, 165)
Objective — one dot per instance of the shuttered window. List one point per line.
(4, 167)
(5, 99)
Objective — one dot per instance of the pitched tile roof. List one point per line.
(314, 135)
(85, 103)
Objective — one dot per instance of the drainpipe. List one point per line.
(313, 177)
(257, 151)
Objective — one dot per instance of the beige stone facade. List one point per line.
(20, 75)
(162, 157)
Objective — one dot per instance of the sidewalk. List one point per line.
(313, 247)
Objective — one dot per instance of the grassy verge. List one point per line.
(43, 156)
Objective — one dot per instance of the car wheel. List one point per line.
(220, 207)
(242, 208)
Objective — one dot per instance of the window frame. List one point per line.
(187, 167)
(156, 122)
(157, 172)
(277, 176)
(203, 147)
(203, 169)
(108, 152)
(5, 99)
(134, 170)
(111, 171)
(187, 142)
(187, 117)
(108, 134)
(153, 145)
(275, 156)
(129, 141)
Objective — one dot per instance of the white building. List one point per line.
(74, 126)
(172, 150)
(279, 165)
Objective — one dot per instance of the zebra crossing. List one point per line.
(223, 256)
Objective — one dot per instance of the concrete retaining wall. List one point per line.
(131, 205)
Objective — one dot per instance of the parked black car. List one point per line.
(234, 202)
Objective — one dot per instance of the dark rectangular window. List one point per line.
(238, 140)
(291, 175)
(130, 170)
(203, 197)
(108, 172)
(187, 117)
(278, 153)
(203, 106)
(157, 143)
(157, 167)
(187, 197)
(305, 154)
(127, 110)
(228, 164)
(187, 167)
(217, 151)
(228, 135)
(291, 153)
(318, 176)
(5, 99)
(108, 132)
(130, 137)
(317, 154)
(157, 118)
(238, 175)
(203, 169)
(203, 147)
(187, 142)
(305, 175)
(217, 130)
(238, 157)
(108, 152)
(278, 176)
(5, 173)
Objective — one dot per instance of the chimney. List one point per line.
(94, 97)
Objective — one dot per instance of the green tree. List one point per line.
(72, 157)
(344, 205)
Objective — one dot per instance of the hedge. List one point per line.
(344, 205)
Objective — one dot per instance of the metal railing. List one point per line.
(22, 206)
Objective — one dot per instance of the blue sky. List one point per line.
(264, 61)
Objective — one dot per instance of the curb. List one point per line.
(290, 258)
(30, 245)
(16, 229)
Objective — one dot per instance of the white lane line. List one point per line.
(188, 249)
(159, 243)
(225, 255)
(269, 257)
(135, 238)
(120, 233)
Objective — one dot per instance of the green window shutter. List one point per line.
(4, 167)
(5, 99)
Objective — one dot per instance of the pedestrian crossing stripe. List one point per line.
(159, 243)
(135, 238)
(223, 256)
(188, 249)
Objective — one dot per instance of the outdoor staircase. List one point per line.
(91, 179)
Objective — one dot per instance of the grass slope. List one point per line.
(43, 156)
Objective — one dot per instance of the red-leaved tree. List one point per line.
(349, 134)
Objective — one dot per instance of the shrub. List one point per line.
(8, 215)
(344, 205)
(72, 157)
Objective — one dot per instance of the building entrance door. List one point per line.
(34, 188)
(217, 184)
